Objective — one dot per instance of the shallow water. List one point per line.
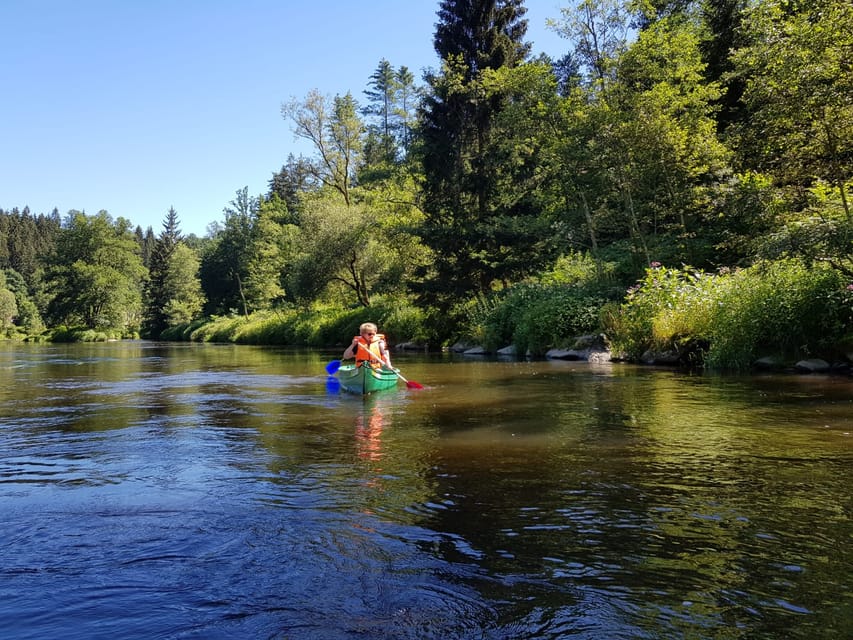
(218, 491)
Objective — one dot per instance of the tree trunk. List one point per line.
(593, 240)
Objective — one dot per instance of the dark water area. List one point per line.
(218, 491)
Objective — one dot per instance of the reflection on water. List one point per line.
(368, 431)
(212, 491)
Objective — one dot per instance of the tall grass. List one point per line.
(316, 326)
(787, 308)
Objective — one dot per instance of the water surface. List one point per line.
(218, 491)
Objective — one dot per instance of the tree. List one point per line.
(484, 34)
(392, 103)
(723, 21)
(340, 245)
(25, 241)
(466, 222)
(224, 266)
(187, 299)
(380, 96)
(8, 305)
(27, 314)
(665, 153)
(642, 157)
(799, 92)
(294, 178)
(406, 100)
(96, 275)
(598, 30)
(333, 127)
(173, 293)
(271, 251)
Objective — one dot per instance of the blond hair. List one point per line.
(368, 326)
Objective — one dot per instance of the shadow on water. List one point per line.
(212, 491)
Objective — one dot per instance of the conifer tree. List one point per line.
(466, 224)
(158, 291)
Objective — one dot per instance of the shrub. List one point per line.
(787, 307)
(666, 306)
(218, 329)
(535, 317)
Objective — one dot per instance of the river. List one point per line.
(217, 491)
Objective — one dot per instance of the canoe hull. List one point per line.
(364, 380)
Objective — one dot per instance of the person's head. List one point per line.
(367, 330)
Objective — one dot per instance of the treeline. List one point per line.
(510, 197)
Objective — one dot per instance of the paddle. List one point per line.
(409, 384)
(332, 367)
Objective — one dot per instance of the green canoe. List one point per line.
(365, 379)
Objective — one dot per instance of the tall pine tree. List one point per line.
(158, 292)
(467, 225)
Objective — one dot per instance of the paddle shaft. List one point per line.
(411, 385)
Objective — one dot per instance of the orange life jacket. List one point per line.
(369, 351)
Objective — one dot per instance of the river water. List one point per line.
(218, 491)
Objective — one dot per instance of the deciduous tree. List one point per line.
(334, 129)
(97, 275)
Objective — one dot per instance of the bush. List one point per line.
(83, 334)
(535, 317)
(667, 308)
(786, 307)
(218, 329)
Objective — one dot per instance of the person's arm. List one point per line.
(386, 355)
(350, 351)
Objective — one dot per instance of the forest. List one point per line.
(679, 181)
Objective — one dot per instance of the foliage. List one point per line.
(819, 231)
(224, 265)
(62, 333)
(186, 299)
(786, 307)
(750, 207)
(535, 318)
(28, 316)
(294, 178)
(96, 275)
(519, 200)
(598, 31)
(25, 240)
(173, 295)
(219, 329)
(272, 248)
(798, 87)
(478, 229)
(319, 325)
(582, 269)
(392, 104)
(340, 245)
(665, 307)
(333, 128)
(8, 305)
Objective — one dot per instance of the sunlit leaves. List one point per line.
(97, 275)
(798, 79)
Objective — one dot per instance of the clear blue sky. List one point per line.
(135, 107)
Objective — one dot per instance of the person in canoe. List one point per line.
(369, 346)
